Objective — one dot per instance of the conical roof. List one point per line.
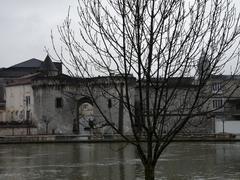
(48, 65)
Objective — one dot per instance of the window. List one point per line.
(28, 101)
(21, 115)
(109, 103)
(217, 103)
(28, 115)
(217, 87)
(59, 103)
(12, 115)
(238, 106)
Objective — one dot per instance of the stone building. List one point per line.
(67, 104)
(179, 95)
(55, 103)
(18, 76)
(19, 70)
(226, 101)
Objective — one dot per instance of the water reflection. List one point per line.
(116, 162)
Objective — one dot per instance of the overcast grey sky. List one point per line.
(26, 27)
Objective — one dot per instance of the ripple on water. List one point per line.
(195, 161)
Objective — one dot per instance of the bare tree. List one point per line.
(172, 47)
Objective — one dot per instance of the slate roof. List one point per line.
(48, 65)
(28, 67)
(33, 63)
(17, 72)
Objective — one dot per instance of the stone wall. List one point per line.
(58, 119)
(16, 131)
(19, 104)
(61, 119)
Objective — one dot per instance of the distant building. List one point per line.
(226, 101)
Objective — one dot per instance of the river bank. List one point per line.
(109, 138)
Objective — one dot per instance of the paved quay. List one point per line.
(102, 139)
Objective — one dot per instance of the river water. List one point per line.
(116, 161)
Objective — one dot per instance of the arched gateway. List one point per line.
(84, 116)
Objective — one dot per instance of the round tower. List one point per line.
(48, 68)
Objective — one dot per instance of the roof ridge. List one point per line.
(33, 62)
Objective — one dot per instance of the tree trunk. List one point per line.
(149, 172)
